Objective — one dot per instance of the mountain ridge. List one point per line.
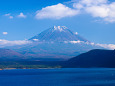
(93, 58)
(8, 54)
(58, 34)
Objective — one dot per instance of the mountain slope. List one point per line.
(58, 34)
(10, 54)
(61, 51)
(93, 58)
(55, 43)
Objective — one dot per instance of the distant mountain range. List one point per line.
(7, 54)
(56, 43)
(94, 58)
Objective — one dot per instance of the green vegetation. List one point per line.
(25, 65)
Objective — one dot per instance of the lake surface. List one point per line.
(58, 77)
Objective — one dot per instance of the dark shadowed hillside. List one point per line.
(93, 58)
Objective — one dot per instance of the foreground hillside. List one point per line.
(94, 58)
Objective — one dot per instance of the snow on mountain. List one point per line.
(58, 34)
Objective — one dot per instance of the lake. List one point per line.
(58, 77)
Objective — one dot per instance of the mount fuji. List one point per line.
(56, 43)
(58, 34)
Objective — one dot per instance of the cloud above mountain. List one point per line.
(4, 33)
(56, 12)
(107, 46)
(21, 15)
(9, 16)
(4, 43)
(99, 9)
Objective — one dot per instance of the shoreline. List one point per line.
(50, 68)
(26, 68)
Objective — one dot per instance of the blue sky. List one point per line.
(22, 19)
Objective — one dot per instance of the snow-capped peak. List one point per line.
(60, 28)
(58, 34)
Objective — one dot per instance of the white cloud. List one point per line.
(98, 8)
(4, 43)
(4, 33)
(56, 12)
(9, 15)
(78, 5)
(76, 33)
(35, 39)
(98, 11)
(92, 2)
(107, 46)
(21, 15)
(74, 42)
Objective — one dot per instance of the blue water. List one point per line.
(58, 77)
